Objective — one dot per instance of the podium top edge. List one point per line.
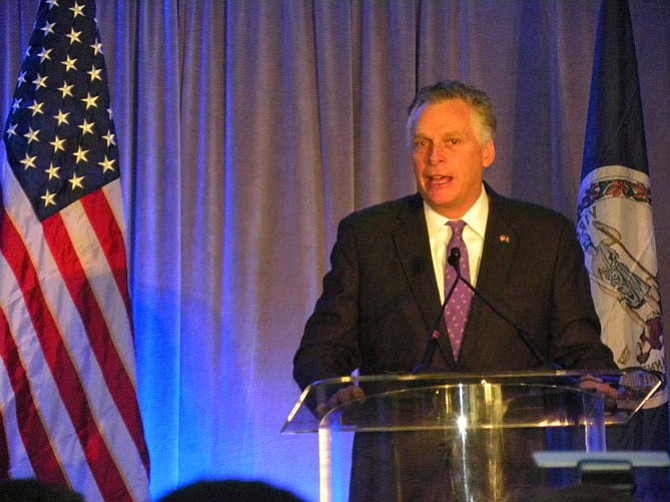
(466, 377)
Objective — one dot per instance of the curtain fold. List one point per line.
(247, 129)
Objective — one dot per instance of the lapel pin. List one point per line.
(504, 238)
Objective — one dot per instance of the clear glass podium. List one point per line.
(462, 437)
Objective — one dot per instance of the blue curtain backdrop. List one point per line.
(248, 128)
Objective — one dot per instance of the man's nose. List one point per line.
(437, 154)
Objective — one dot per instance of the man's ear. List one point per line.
(488, 154)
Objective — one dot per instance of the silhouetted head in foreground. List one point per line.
(229, 491)
(32, 490)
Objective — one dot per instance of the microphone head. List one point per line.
(454, 257)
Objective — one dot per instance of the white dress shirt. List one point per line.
(473, 235)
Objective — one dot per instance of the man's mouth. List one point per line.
(439, 179)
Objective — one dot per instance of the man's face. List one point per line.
(449, 157)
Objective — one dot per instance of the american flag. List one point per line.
(68, 398)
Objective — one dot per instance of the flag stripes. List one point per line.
(33, 428)
(68, 381)
(78, 399)
(110, 237)
(85, 299)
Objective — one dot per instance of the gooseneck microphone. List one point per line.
(453, 260)
(431, 345)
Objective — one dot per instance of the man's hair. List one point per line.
(454, 89)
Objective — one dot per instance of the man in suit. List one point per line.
(384, 292)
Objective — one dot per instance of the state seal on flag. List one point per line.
(615, 229)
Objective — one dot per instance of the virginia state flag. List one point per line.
(615, 221)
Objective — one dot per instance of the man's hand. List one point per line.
(610, 394)
(596, 384)
(342, 396)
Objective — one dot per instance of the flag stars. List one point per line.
(44, 54)
(58, 143)
(76, 182)
(90, 101)
(52, 171)
(107, 165)
(70, 63)
(40, 81)
(48, 28)
(74, 36)
(97, 48)
(81, 155)
(66, 90)
(59, 150)
(95, 73)
(36, 108)
(61, 118)
(48, 199)
(78, 10)
(86, 127)
(28, 161)
(109, 138)
(32, 135)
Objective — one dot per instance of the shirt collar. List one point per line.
(476, 216)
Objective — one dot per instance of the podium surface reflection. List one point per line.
(461, 437)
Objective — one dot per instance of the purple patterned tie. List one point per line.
(458, 308)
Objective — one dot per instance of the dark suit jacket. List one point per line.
(380, 300)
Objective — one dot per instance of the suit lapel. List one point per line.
(413, 248)
(500, 246)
